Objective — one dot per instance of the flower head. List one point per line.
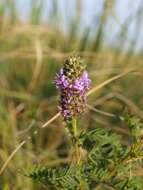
(72, 82)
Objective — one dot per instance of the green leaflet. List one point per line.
(105, 163)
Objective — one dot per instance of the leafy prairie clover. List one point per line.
(72, 82)
(106, 163)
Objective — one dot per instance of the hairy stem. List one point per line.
(76, 140)
(76, 144)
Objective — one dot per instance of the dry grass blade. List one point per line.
(11, 156)
(23, 142)
(103, 112)
(37, 69)
(108, 81)
(15, 94)
(130, 104)
(51, 120)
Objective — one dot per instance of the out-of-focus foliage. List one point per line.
(31, 52)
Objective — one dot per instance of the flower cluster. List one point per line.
(72, 82)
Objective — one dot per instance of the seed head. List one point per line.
(73, 68)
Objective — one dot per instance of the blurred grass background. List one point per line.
(31, 52)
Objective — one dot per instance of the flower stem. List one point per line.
(76, 140)
(76, 145)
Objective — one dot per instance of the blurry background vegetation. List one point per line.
(36, 36)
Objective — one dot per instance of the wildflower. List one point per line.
(72, 82)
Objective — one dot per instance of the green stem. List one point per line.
(76, 140)
(77, 157)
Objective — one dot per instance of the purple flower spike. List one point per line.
(73, 83)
